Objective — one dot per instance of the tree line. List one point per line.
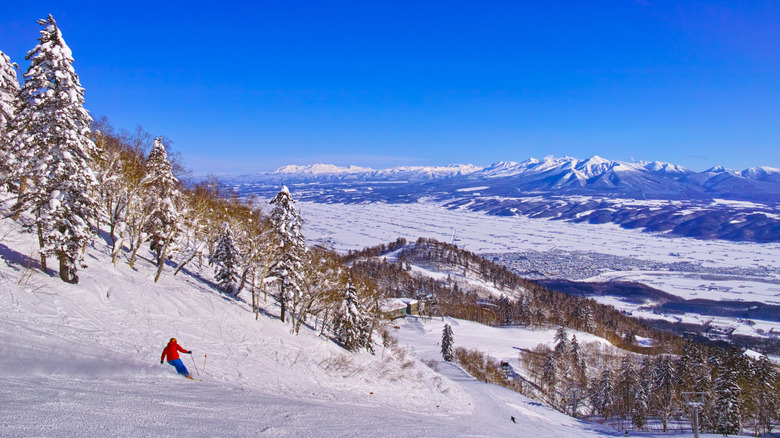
(632, 391)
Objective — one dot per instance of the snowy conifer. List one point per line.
(578, 363)
(627, 386)
(351, 325)
(162, 193)
(641, 407)
(447, 339)
(603, 397)
(728, 410)
(9, 97)
(290, 246)
(53, 152)
(765, 395)
(665, 395)
(225, 260)
(562, 342)
(550, 373)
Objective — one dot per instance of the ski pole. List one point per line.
(193, 364)
(204, 363)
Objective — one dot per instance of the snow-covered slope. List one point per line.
(84, 360)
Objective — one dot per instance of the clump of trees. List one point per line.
(647, 392)
(69, 178)
(524, 302)
(485, 368)
(447, 339)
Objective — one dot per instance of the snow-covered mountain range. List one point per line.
(655, 196)
(594, 175)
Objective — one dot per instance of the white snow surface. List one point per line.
(83, 360)
(355, 226)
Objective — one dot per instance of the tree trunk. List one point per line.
(163, 255)
(132, 256)
(116, 249)
(66, 273)
(44, 268)
(282, 300)
(184, 263)
(22, 189)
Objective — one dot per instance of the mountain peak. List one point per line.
(321, 169)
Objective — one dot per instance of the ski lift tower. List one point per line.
(695, 400)
(574, 391)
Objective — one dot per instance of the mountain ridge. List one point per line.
(654, 196)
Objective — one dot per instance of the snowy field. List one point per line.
(354, 226)
(83, 360)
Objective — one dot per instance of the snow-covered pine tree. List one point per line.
(562, 354)
(351, 325)
(764, 392)
(562, 342)
(225, 260)
(578, 364)
(290, 247)
(728, 410)
(604, 394)
(665, 396)
(447, 339)
(626, 387)
(9, 99)
(550, 374)
(53, 153)
(642, 405)
(162, 193)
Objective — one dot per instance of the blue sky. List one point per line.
(246, 87)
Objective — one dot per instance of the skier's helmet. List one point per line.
(173, 339)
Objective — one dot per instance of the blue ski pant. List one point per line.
(179, 365)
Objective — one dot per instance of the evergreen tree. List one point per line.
(162, 215)
(53, 153)
(728, 410)
(578, 364)
(626, 387)
(225, 260)
(562, 342)
(765, 394)
(642, 404)
(692, 368)
(605, 394)
(446, 343)
(641, 407)
(562, 354)
(290, 247)
(550, 374)
(665, 396)
(351, 325)
(9, 100)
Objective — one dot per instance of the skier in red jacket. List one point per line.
(172, 351)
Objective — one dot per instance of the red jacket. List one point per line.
(172, 351)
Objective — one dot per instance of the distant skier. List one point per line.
(513, 418)
(172, 351)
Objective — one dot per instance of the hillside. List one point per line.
(85, 359)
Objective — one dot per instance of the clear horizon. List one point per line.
(244, 88)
